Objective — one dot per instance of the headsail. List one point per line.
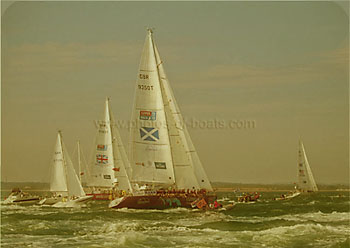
(101, 172)
(73, 182)
(58, 182)
(162, 152)
(122, 169)
(189, 172)
(306, 181)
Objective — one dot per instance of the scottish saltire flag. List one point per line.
(149, 133)
(101, 159)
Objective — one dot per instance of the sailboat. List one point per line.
(108, 174)
(306, 181)
(65, 185)
(166, 170)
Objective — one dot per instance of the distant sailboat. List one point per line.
(108, 172)
(64, 183)
(306, 181)
(162, 154)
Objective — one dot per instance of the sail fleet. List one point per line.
(163, 168)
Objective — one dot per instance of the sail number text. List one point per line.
(143, 76)
(145, 87)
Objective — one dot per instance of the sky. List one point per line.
(269, 72)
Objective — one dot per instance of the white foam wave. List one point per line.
(306, 217)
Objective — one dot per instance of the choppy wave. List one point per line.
(308, 221)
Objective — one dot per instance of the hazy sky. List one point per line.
(281, 65)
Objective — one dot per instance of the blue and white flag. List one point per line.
(149, 133)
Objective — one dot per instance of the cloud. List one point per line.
(58, 57)
(325, 65)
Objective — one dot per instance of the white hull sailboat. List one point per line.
(108, 174)
(64, 184)
(306, 181)
(162, 154)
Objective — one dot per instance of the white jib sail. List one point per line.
(122, 169)
(150, 154)
(183, 169)
(58, 181)
(306, 181)
(73, 182)
(189, 172)
(101, 169)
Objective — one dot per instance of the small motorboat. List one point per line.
(287, 196)
(17, 196)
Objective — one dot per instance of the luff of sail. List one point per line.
(101, 169)
(306, 181)
(122, 169)
(155, 101)
(58, 182)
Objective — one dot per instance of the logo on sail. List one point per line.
(147, 115)
(101, 159)
(160, 165)
(107, 176)
(101, 147)
(149, 133)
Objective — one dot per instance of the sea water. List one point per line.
(310, 220)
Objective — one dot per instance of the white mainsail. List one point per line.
(150, 152)
(155, 103)
(111, 164)
(58, 182)
(101, 172)
(306, 181)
